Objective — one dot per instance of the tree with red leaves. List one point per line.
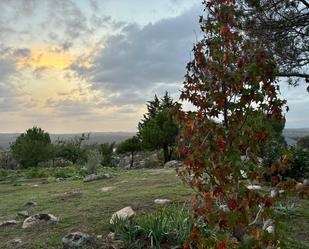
(232, 84)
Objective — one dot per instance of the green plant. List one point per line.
(298, 164)
(72, 149)
(32, 147)
(131, 145)
(107, 153)
(167, 226)
(158, 129)
(127, 231)
(287, 209)
(36, 173)
(93, 161)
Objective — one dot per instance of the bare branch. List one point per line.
(293, 74)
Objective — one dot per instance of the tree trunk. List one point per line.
(132, 160)
(166, 154)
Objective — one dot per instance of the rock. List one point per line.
(162, 201)
(173, 164)
(106, 189)
(254, 187)
(111, 236)
(281, 192)
(35, 185)
(8, 223)
(78, 240)
(69, 194)
(274, 193)
(14, 244)
(30, 204)
(59, 179)
(299, 186)
(24, 214)
(94, 177)
(125, 213)
(269, 225)
(40, 219)
(122, 182)
(306, 183)
(224, 208)
(243, 174)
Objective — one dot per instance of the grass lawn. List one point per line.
(90, 211)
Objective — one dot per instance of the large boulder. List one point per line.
(173, 164)
(78, 240)
(125, 213)
(40, 219)
(94, 177)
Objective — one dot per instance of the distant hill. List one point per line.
(291, 136)
(95, 137)
(296, 133)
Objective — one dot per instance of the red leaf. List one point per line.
(225, 57)
(222, 245)
(233, 204)
(225, 31)
(220, 101)
(191, 124)
(221, 144)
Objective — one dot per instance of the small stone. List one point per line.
(69, 194)
(306, 182)
(94, 177)
(274, 193)
(125, 213)
(15, 243)
(99, 236)
(59, 179)
(254, 187)
(299, 186)
(269, 225)
(24, 214)
(35, 185)
(30, 204)
(40, 219)
(173, 164)
(162, 201)
(8, 223)
(78, 240)
(106, 189)
(270, 229)
(224, 208)
(111, 236)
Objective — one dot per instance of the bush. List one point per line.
(36, 173)
(32, 147)
(93, 161)
(168, 226)
(298, 164)
(107, 152)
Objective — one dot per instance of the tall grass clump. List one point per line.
(169, 226)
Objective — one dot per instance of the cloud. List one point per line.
(139, 59)
(7, 68)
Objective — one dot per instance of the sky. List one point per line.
(91, 65)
